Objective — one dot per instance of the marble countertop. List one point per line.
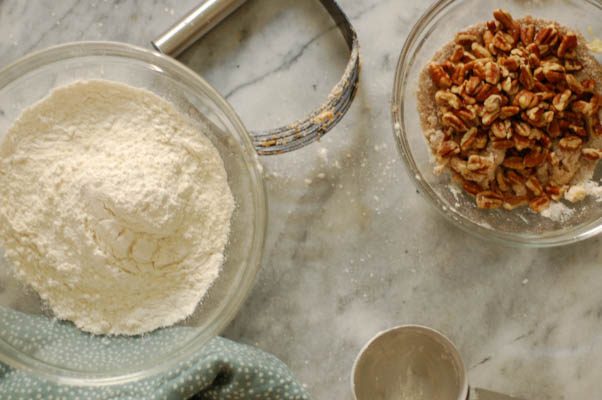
(352, 248)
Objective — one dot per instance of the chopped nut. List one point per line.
(535, 158)
(492, 73)
(501, 180)
(592, 154)
(509, 111)
(459, 74)
(540, 203)
(535, 116)
(534, 186)
(502, 129)
(480, 51)
(513, 163)
(453, 122)
(485, 91)
(488, 41)
(510, 86)
(457, 54)
(545, 96)
(512, 63)
(467, 115)
(547, 35)
(578, 130)
(505, 19)
(481, 142)
(527, 34)
(504, 144)
(561, 100)
(489, 200)
(439, 76)
(555, 192)
(468, 139)
(572, 65)
(570, 143)
(493, 26)
(471, 187)
(503, 41)
(545, 141)
(534, 61)
(448, 149)
(522, 128)
(568, 42)
(526, 99)
(513, 202)
(589, 85)
(478, 163)
(548, 117)
(554, 129)
(521, 143)
(493, 103)
(466, 39)
(575, 86)
(526, 78)
(472, 84)
(585, 108)
(553, 72)
(448, 99)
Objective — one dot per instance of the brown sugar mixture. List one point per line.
(512, 109)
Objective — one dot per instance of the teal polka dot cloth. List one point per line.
(222, 370)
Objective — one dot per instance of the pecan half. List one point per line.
(553, 72)
(448, 149)
(489, 200)
(561, 100)
(468, 139)
(570, 142)
(540, 203)
(446, 98)
(439, 76)
(592, 154)
(452, 121)
(502, 129)
(525, 77)
(513, 202)
(568, 42)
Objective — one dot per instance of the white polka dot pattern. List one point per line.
(222, 370)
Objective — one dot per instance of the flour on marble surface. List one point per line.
(114, 208)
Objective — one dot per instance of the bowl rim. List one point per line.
(72, 50)
(548, 239)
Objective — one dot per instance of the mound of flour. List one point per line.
(113, 207)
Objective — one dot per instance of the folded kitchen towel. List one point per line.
(222, 369)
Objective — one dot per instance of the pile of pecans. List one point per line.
(516, 120)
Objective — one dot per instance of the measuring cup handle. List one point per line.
(300, 133)
(482, 394)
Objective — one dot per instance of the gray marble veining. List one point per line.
(352, 247)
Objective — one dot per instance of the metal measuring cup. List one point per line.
(413, 362)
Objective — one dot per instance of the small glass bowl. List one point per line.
(434, 29)
(31, 79)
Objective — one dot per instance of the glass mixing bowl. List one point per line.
(434, 29)
(26, 322)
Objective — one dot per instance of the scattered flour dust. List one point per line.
(560, 212)
(113, 207)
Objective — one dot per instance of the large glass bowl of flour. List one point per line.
(31, 337)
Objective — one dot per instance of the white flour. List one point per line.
(113, 207)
